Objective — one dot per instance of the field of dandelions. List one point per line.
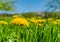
(20, 29)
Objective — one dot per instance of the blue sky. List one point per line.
(21, 6)
(30, 5)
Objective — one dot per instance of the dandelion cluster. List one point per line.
(3, 22)
(57, 21)
(39, 21)
(15, 16)
(50, 19)
(19, 21)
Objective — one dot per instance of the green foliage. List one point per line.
(14, 33)
(6, 5)
(52, 15)
(47, 14)
(53, 5)
(30, 14)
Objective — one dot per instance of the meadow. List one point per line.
(20, 29)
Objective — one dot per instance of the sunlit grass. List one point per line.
(39, 30)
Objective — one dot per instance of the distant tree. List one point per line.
(6, 5)
(53, 5)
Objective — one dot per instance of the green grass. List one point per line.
(13, 33)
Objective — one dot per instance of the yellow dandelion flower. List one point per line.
(15, 16)
(39, 17)
(50, 19)
(58, 20)
(20, 21)
(28, 19)
(26, 24)
(55, 22)
(34, 21)
(41, 20)
(3, 22)
(40, 24)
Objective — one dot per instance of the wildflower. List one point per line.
(39, 17)
(58, 20)
(3, 22)
(50, 19)
(15, 16)
(28, 19)
(20, 21)
(33, 20)
(55, 22)
(41, 20)
(40, 24)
